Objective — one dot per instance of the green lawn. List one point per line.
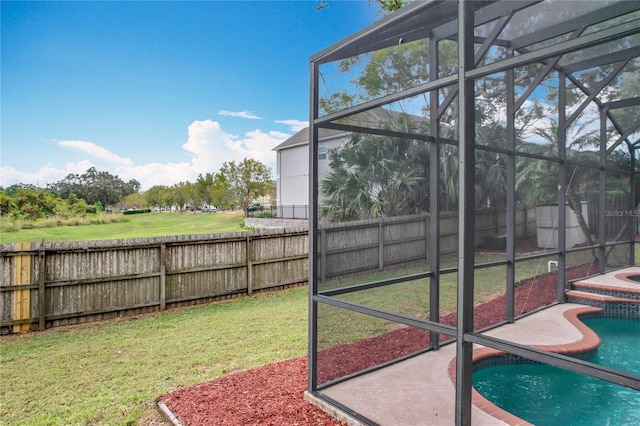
(412, 298)
(111, 373)
(155, 224)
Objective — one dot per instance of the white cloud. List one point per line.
(78, 167)
(294, 125)
(156, 174)
(208, 144)
(242, 114)
(259, 146)
(96, 151)
(211, 146)
(44, 175)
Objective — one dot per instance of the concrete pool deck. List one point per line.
(421, 390)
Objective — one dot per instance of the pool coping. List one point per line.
(589, 342)
(624, 276)
(617, 282)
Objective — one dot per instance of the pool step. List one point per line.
(608, 290)
(573, 295)
(613, 305)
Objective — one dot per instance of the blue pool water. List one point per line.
(546, 395)
(634, 278)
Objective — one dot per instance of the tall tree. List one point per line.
(221, 195)
(93, 186)
(247, 180)
(182, 194)
(204, 188)
(156, 196)
(134, 201)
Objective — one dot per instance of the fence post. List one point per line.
(249, 268)
(42, 301)
(323, 255)
(22, 298)
(427, 224)
(163, 276)
(380, 246)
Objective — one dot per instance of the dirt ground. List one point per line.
(273, 394)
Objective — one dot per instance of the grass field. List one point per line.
(138, 226)
(111, 373)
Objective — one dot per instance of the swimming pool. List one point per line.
(546, 395)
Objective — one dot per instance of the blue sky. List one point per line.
(157, 91)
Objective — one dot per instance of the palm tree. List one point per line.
(377, 176)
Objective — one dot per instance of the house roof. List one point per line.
(368, 118)
(302, 138)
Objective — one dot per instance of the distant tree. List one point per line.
(202, 189)
(192, 196)
(28, 202)
(94, 186)
(134, 201)
(247, 180)
(221, 195)
(156, 196)
(16, 188)
(74, 206)
(6, 203)
(182, 194)
(273, 192)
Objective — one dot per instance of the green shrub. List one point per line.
(136, 211)
(264, 213)
(9, 226)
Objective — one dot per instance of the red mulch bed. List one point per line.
(273, 394)
(265, 396)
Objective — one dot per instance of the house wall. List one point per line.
(323, 165)
(293, 176)
(293, 172)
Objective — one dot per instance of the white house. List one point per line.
(293, 166)
(293, 160)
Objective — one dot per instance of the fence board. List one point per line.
(22, 297)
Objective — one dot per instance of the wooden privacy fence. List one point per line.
(51, 284)
(374, 244)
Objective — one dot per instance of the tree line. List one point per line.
(236, 184)
(75, 195)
